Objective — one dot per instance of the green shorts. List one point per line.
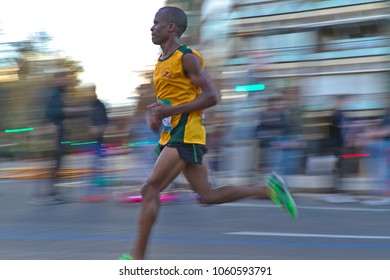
(191, 153)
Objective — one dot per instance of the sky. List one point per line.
(111, 39)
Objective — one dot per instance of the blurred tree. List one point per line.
(26, 71)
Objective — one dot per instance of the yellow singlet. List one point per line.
(173, 87)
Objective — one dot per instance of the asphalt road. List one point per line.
(250, 229)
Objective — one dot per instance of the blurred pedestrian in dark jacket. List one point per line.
(56, 112)
(272, 122)
(99, 122)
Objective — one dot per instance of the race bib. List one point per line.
(166, 122)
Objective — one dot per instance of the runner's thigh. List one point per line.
(197, 176)
(167, 167)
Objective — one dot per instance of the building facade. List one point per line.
(323, 49)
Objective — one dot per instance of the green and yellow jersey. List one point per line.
(173, 88)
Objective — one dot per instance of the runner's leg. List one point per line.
(197, 176)
(167, 167)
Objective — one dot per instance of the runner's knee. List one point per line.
(149, 190)
(207, 198)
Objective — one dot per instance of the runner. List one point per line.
(183, 91)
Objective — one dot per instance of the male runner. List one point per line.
(183, 90)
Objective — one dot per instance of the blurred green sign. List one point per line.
(15, 130)
(246, 88)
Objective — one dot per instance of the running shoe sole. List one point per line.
(280, 194)
(126, 257)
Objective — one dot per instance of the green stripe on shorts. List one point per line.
(195, 154)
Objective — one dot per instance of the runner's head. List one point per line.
(168, 21)
(176, 16)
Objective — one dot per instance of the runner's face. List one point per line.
(160, 32)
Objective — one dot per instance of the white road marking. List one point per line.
(262, 205)
(280, 234)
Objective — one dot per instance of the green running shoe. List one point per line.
(126, 257)
(279, 193)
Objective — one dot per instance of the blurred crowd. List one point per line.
(281, 134)
(254, 135)
(46, 113)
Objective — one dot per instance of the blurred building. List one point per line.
(325, 47)
(193, 10)
(322, 49)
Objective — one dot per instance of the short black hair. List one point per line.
(176, 16)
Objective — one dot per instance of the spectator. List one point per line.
(271, 125)
(56, 113)
(98, 124)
